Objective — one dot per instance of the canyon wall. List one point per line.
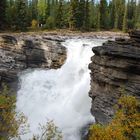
(115, 70)
(21, 51)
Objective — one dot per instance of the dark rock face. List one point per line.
(115, 67)
(20, 52)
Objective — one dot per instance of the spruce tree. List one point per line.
(59, 16)
(21, 21)
(92, 14)
(29, 14)
(137, 24)
(116, 19)
(34, 9)
(66, 15)
(54, 7)
(131, 13)
(51, 13)
(112, 13)
(41, 6)
(73, 22)
(48, 9)
(98, 26)
(2, 14)
(122, 9)
(103, 13)
(81, 14)
(86, 20)
(125, 20)
(11, 13)
(117, 14)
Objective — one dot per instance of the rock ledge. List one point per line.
(114, 67)
(19, 52)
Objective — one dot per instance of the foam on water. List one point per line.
(60, 95)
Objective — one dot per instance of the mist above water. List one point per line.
(60, 95)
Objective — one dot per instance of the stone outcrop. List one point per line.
(114, 67)
(19, 52)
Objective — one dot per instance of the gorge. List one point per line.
(54, 79)
(60, 95)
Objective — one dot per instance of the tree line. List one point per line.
(72, 14)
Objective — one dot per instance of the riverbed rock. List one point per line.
(115, 70)
(22, 51)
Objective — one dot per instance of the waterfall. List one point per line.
(60, 95)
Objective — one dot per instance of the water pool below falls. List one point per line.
(60, 95)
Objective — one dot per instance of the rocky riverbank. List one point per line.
(114, 67)
(22, 51)
(67, 34)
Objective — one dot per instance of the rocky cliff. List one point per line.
(19, 52)
(114, 67)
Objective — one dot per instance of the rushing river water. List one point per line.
(60, 95)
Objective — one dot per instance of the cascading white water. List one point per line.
(60, 95)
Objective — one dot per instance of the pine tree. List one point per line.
(41, 12)
(112, 14)
(59, 16)
(2, 13)
(121, 8)
(117, 14)
(81, 14)
(116, 19)
(125, 20)
(103, 13)
(86, 20)
(137, 24)
(29, 13)
(92, 14)
(21, 21)
(11, 14)
(51, 13)
(54, 7)
(98, 26)
(34, 9)
(73, 14)
(131, 13)
(66, 15)
(48, 9)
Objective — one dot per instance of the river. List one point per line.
(60, 95)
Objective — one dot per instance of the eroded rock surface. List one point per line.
(115, 67)
(19, 52)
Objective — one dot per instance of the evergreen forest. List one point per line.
(88, 15)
